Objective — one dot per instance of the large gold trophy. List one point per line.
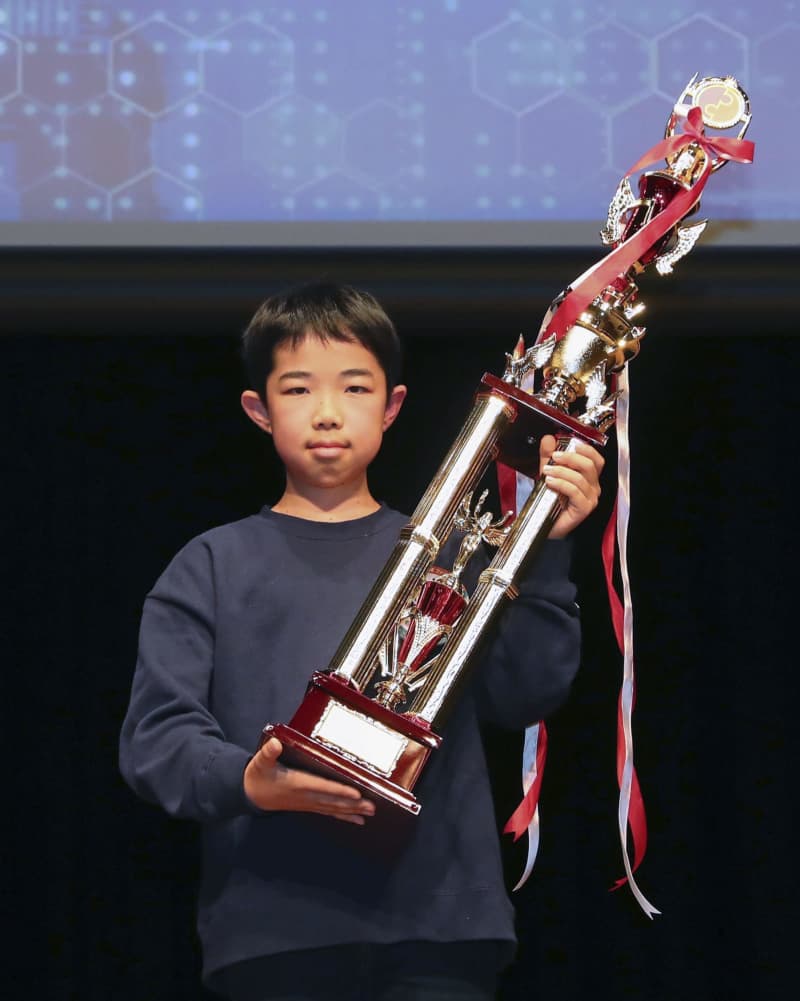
(371, 718)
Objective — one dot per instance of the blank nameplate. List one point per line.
(360, 737)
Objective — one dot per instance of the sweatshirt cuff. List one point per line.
(222, 783)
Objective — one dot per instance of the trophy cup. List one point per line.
(372, 718)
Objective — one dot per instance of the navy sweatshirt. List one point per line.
(230, 635)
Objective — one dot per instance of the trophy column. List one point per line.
(495, 584)
(431, 523)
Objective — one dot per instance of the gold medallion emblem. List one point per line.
(721, 102)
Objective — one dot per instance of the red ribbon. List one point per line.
(519, 821)
(637, 820)
(507, 485)
(608, 550)
(588, 286)
(724, 148)
(583, 292)
(619, 261)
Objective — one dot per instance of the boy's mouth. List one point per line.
(327, 448)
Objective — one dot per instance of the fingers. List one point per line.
(351, 818)
(581, 466)
(271, 785)
(271, 751)
(584, 457)
(587, 451)
(546, 448)
(341, 808)
(305, 782)
(575, 475)
(311, 793)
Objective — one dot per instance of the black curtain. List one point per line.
(124, 439)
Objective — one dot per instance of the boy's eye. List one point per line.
(295, 390)
(358, 389)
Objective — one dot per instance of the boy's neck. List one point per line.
(326, 505)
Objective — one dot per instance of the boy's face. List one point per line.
(326, 410)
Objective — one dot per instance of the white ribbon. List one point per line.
(529, 773)
(626, 694)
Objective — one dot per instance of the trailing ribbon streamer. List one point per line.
(630, 812)
(526, 816)
(561, 316)
(602, 274)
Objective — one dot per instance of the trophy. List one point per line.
(371, 719)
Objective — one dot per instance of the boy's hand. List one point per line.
(574, 475)
(272, 786)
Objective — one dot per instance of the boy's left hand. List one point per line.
(574, 475)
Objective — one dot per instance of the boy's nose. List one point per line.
(327, 415)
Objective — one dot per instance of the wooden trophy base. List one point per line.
(342, 735)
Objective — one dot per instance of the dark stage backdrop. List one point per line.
(124, 439)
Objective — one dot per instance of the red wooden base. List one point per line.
(310, 743)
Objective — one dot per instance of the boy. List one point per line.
(230, 635)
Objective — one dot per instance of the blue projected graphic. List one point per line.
(346, 111)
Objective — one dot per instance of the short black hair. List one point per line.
(324, 310)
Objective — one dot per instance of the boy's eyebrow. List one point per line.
(347, 373)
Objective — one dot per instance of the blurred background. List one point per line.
(163, 168)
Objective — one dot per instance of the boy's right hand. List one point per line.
(269, 785)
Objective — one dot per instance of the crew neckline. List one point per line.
(368, 524)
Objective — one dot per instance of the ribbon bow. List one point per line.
(723, 147)
(619, 261)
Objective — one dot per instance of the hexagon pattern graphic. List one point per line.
(247, 65)
(295, 142)
(518, 65)
(321, 110)
(155, 66)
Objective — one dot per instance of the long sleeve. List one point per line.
(528, 667)
(172, 749)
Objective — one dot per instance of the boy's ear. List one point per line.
(256, 411)
(393, 405)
